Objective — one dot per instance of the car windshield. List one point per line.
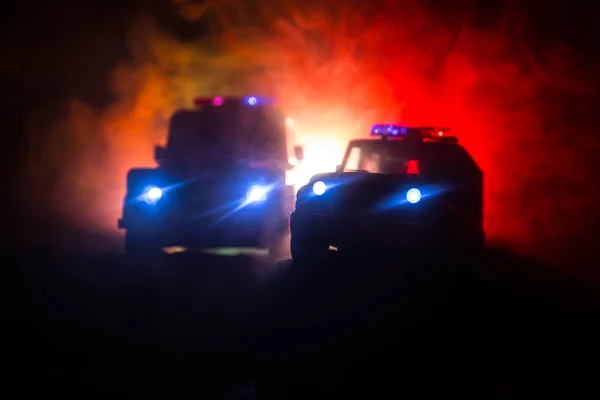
(394, 157)
(227, 131)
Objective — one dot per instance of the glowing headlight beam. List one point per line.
(319, 188)
(257, 194)
(413, 195)
(152, 194)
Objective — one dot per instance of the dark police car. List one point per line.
(406, 187)
(220, 180)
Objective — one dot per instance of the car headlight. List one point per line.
(319, 188)
(152, 194)
(257, 194)
(413, 195)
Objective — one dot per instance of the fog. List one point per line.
(522, 106)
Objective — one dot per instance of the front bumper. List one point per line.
(350, 231)
(239, 228)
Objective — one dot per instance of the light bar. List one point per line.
(429, 133)
(436, 134)
(248, 100)
(432, 131)
(258, 101)
(209, 101)
(388, 130)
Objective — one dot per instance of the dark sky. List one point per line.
(56, 48)
(64, 46)
(54, 51)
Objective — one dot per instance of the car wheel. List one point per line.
(307, 251)
(141, 245)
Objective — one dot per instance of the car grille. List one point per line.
(362, 196)
(207, 194)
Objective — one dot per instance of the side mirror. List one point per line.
(338, 168)
(160, 153)
(299, 153)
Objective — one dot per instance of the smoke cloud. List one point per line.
(337, 67)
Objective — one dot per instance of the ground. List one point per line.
(205, 324)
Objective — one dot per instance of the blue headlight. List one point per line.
(257, 194)
(413, 195)
(319, 188)
(152, 194)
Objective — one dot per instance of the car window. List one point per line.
(429, 160)
(215, 130)
(353, 162)
(388, 161)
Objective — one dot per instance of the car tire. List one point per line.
(141, 245)
(307, 251)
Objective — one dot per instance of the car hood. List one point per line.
(364, 178)
(219, 171)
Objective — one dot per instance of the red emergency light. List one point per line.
(213, 101)
(431, 131)
(412, 167)
(435, 134)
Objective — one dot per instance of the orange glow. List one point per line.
(339, 67)
(323, 151)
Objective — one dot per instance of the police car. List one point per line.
(411, 187)
(220, 180)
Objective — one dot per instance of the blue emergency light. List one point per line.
(388, 130)
(248, 100)
(258, 101)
